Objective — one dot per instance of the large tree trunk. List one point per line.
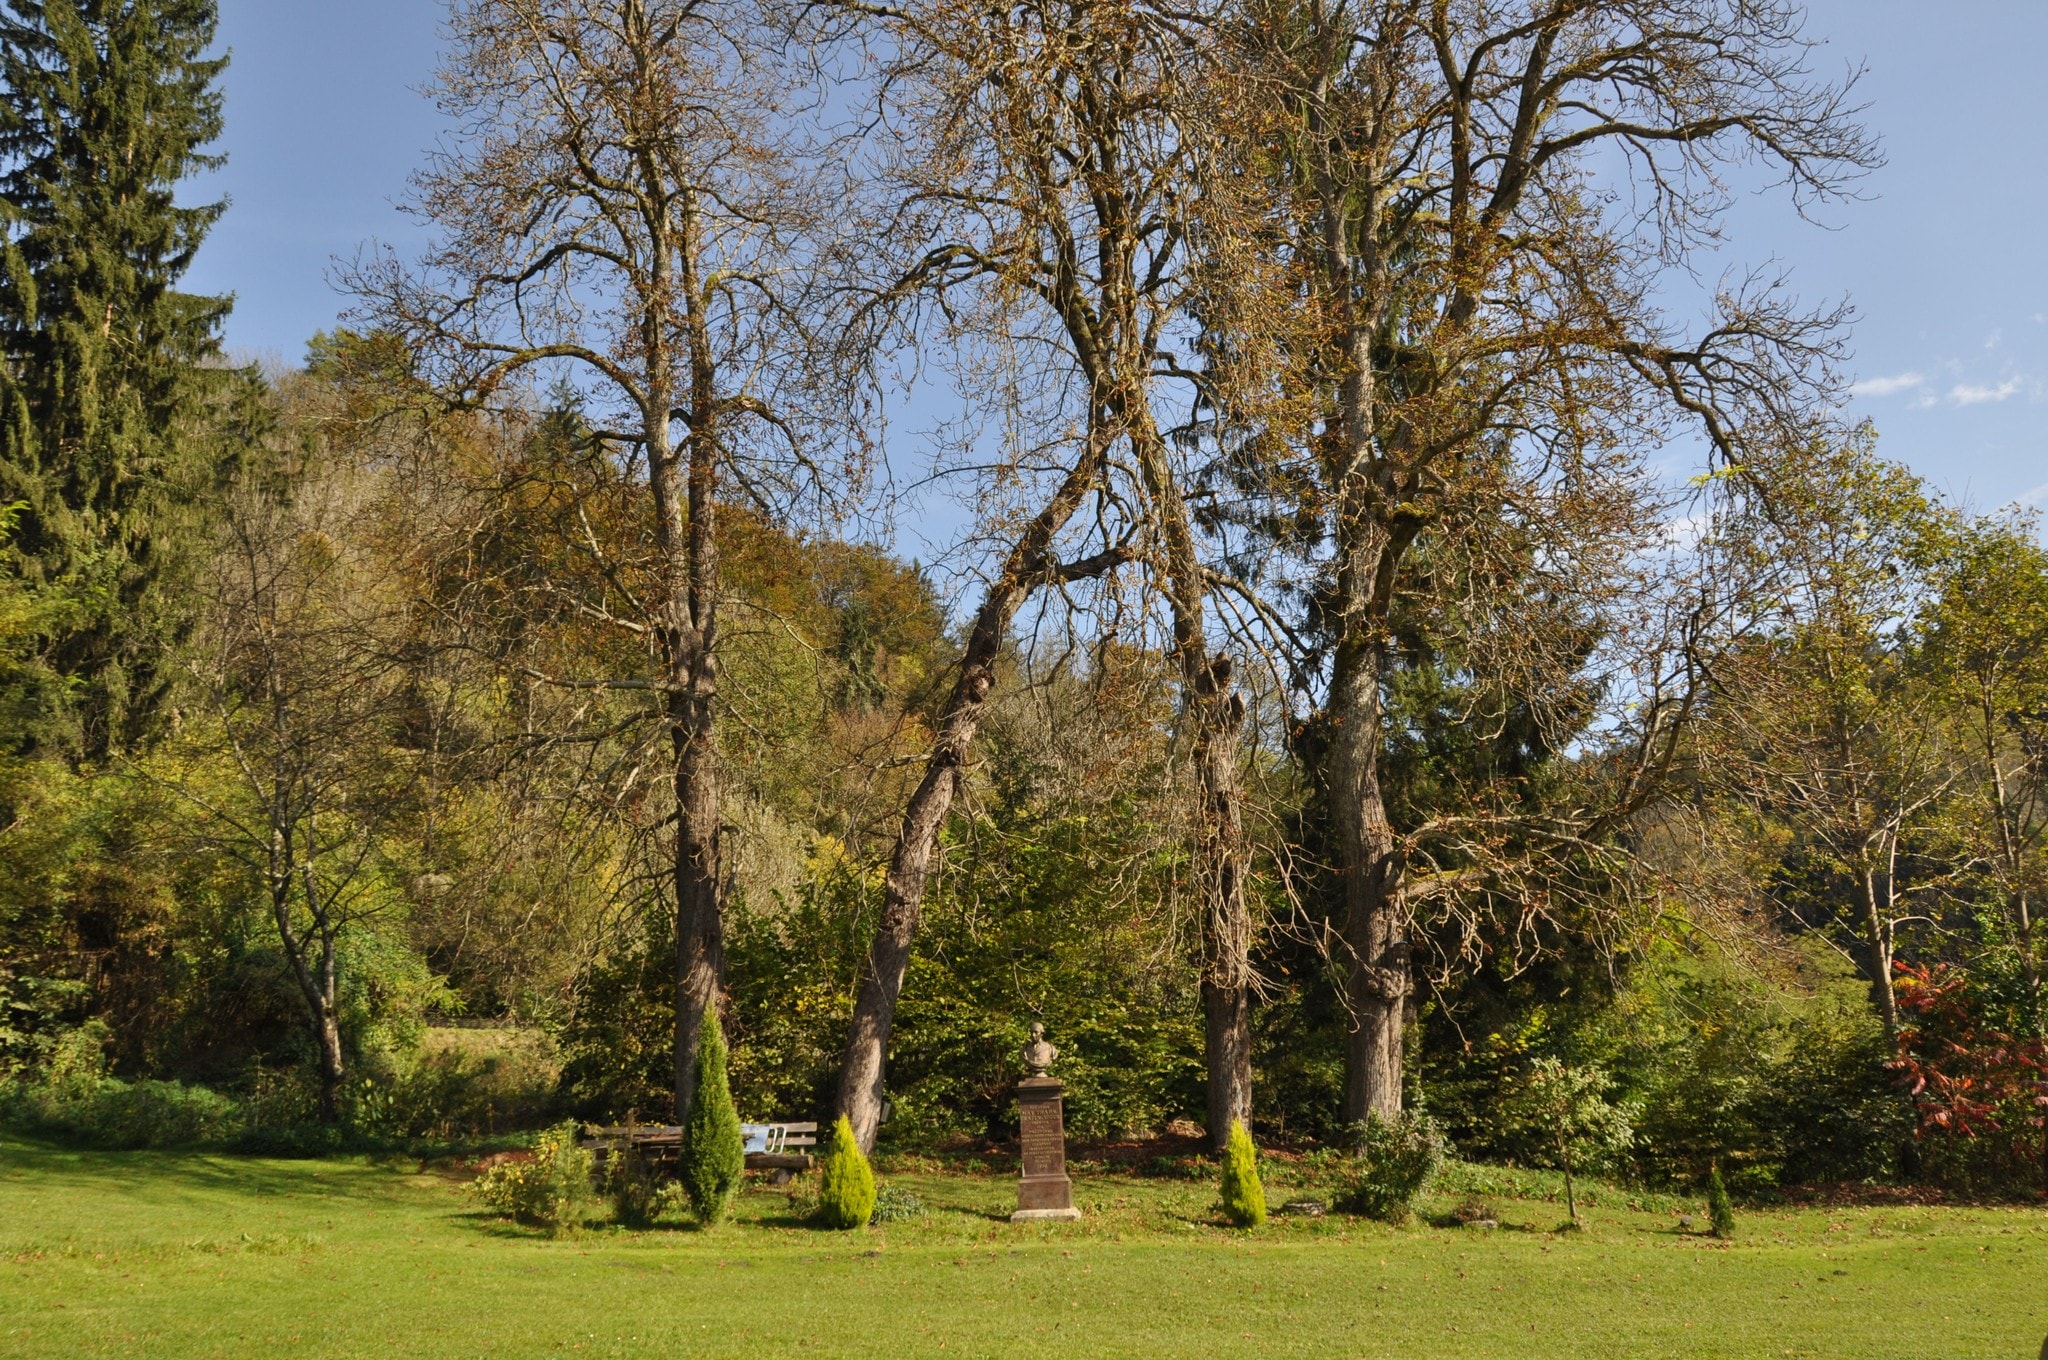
(1227, 1042)
(863, 1074)
(699, 879)
(1375, 935)
(1377, 981)
(1367, 493)
(1212, 722)
(700, 927)
(686, 504)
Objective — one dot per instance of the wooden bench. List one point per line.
(783, 1149)
(774, 1151)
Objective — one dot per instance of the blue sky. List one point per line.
(1944, 261)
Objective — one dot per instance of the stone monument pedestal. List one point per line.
(1044, 1193)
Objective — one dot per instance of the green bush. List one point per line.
(1393, 1162)
(281, 1116)
(630, 1185)
(896, 1206)
(463, 1084)
(846, 1190)
(123, 1115)
(74, 1100)
(714, 1157)
(552, 1190)
(1244, 1197)
(1720, 1208)
(1784, 1081)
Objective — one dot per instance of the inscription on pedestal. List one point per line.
(1044, 1140)
(1044, 1190)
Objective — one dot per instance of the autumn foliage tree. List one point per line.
(1467, 211)
(623, 213)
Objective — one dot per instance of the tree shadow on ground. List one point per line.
(196, 1172)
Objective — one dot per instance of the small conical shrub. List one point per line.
(846, 1192)
(1244, 1197)
(714, 1154)
(1720, 1208)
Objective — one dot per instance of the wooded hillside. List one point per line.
(1330, 711)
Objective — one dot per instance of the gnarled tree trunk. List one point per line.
(1375, 938)
(863, 1073)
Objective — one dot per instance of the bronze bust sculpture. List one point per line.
(1038, 1054)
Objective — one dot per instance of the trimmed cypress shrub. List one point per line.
(1244, 1197)
(1720, 1208)
(714, 1153)
(846, 1191)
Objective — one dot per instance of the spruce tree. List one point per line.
(714, 1154)
(106, 107)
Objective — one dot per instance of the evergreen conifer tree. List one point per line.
(714, 1153)
(106, 106)
(846, 1190)
(1244, 1195)
(1720, 1208)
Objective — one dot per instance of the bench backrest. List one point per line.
(781, 1135)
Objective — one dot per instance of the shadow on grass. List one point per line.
(484, 1223)
(195, 1173)
(1450, 1222)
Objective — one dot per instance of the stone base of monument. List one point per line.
(1044, 1193)
(1045, 1199)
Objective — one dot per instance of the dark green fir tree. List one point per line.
(714, 1153)
(110, 373)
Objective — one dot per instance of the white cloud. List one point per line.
(1684, 534)
(1889, 387)
(1965, 394)
(1991, 341)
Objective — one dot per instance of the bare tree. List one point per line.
(626, 211)
(1471, 206)
(1051, 135)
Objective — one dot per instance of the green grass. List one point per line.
(172, 1255)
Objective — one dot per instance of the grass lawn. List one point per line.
(155, 1254)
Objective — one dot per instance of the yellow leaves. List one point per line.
(827, 854)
